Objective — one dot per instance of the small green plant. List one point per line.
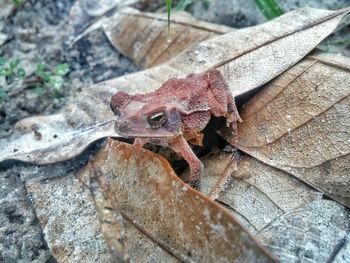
(169, 5)
(17, 2)
(182, 5)
(9, 68)
(269, 8)
(42, 81)
(3, 95)
(53, 79)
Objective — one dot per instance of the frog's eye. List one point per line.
(156, 119)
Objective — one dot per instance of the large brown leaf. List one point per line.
(180, 220)
(300, 124)
(248, 58)
(146, 39)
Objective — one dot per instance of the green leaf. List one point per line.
(39, 69)
(269, 8)
(62, 69)
(183, 4)
(41, 73)
(17, 2)
(2, 61)
(206, 3)
(56, 81)
(21, 73)
(57, 94)
(169, 5)
(14, 63)
(39, 90)
(5, 72)
(2, 72)
(3, 95)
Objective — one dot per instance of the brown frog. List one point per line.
(176, 113)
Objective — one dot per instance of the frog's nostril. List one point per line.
(122, 126)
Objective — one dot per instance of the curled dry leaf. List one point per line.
(247, 58)
(144, 189)
(300, 124)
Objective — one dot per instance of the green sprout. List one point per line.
(3, 95)
(269, 8)
(43, 81)
(169, 5)
(52, 79)
(181, 6)
(17, 2)
(10, 68)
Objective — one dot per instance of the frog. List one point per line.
(175, 115)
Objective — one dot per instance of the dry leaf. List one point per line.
(112, 223)
(314, 233)
(145, 38)
(257, 194)
(145, 190)
(248, 58)
(67, 215)
(286, 215)
(300, 124)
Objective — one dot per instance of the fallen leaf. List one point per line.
(144, 189)
(67, 215)
(289, 217)
(112, 223)
(239, 55)
(146, 39)
(300, 123)
(257, 194)
(83, 13)
(314, 233)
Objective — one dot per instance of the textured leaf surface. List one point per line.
(300, 124)
(145, 38)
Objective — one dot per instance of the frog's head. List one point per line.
(139, 117)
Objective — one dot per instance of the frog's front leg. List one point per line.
(181, 147)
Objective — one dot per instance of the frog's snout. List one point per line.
(122, 126)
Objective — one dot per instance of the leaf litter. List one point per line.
(153, 82)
